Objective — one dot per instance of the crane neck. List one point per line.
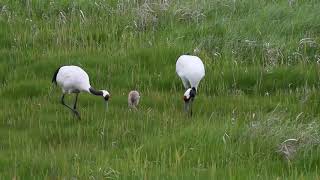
(193, 92)
(95, 92)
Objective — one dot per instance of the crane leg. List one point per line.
(75, 102)
(73, 110)
(75, 106)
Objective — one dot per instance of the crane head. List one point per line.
(188, 98)
(106, 95)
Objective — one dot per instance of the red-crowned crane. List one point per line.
(191, 70)
(73, 79)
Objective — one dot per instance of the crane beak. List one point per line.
(106, 100)
(186, 106)
(107, 105)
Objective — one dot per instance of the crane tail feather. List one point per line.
(54, 78)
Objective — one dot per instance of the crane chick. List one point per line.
(133, 99)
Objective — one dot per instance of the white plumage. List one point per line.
(73, 79)
(191, 70)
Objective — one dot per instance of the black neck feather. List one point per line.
(95, 92)
(193, 92)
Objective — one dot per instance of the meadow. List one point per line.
(256, 115)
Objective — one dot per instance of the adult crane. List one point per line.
(190, 69)
(73, 79)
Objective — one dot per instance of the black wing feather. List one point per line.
(54, 78)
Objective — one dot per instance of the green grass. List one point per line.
(261, 88)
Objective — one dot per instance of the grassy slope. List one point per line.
(261, 88)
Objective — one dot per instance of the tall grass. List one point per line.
(256, 116)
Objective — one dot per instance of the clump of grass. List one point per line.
(288, 148)
(273, 56)
(289, 136)
(190, 13)
(309, 49)
(146, 17)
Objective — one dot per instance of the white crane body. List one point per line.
(191, 70)
(73, 79)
